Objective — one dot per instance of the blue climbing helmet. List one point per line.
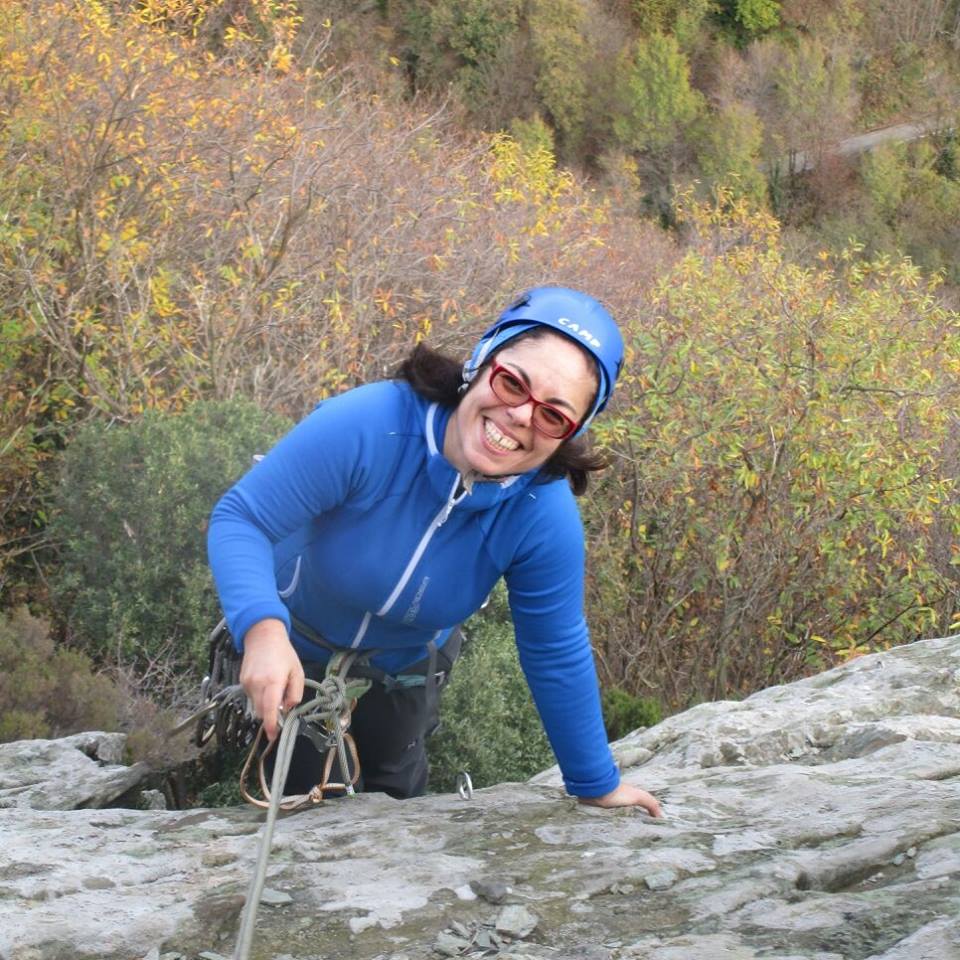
(570, 313)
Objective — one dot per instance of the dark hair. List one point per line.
(438, 378)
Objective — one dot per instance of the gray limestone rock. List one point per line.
(493, 891)
(152, 800)
(516, 922)
(84, 770)
(815, 821)
(450, 944)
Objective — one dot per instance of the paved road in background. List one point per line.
(862, 142)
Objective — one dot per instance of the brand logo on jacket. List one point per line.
(414, 607)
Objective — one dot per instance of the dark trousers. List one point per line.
(390, 727)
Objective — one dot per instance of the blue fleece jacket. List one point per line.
(357, 525)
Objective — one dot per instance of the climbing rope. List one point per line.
(325, 722)
(328, 711)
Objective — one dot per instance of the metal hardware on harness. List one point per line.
(464, 785)
(325, 720)
(226, 715)
(224, 712)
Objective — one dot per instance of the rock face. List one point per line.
(85, 770)
(819, 820)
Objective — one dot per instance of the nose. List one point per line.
(522, 415)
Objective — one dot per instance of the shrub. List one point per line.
(47, 691)
(623, 712)
(490, 727)
(785, 444)
(131, 515)
(728, 151)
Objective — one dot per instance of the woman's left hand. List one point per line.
(626, 795)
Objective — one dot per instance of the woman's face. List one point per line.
(487, 435)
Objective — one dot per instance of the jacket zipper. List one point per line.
(435, 524)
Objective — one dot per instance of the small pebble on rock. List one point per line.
(493, 891)
(516, 921)
(661, 880)
(275, 898)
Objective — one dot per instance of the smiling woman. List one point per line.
(386, 517)
(500, 428)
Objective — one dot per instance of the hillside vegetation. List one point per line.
(646, 96)
(258, 203)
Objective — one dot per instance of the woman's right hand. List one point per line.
(270, 673)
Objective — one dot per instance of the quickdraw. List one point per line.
(324, 719)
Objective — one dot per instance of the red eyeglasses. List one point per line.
(512, 391)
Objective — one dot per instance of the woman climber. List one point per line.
(385, 518)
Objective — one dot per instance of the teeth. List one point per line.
(496, 438)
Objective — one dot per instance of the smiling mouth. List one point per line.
(496, 439)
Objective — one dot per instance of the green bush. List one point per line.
(131, 516)
(47, 691)
(489, 725)
(623, 712)
(786, 469)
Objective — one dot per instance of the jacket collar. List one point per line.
(484, 493)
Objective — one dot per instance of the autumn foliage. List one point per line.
(786, 492)
(195, 204)
(189, 212)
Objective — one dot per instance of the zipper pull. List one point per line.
(456, 495)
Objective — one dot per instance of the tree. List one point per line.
(457, 41)
(658, 105)
(747, 19)
(757, 16)
(682, 18)
(560, 52)
(885, 177)
(728, 151)
(814, 98)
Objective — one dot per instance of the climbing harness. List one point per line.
(325, 720)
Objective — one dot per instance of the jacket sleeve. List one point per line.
(316, 466)
(545, 584)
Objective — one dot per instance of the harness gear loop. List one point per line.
(325, 720)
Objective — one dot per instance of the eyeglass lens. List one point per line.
(512, 391)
